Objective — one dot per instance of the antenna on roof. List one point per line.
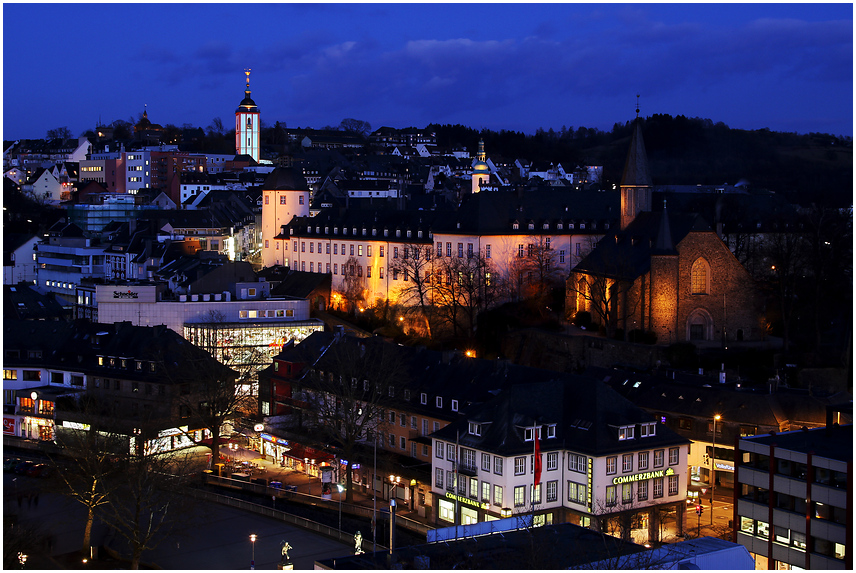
(637, 106)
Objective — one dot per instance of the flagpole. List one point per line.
(534, 465)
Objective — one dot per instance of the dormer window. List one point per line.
(475, 429)
(551, 431)
(398, 232)
(386, 232)
(529, 434)
(515, 226)
(326, 230)
(648, 430)
(335, 230)
(317, 230)
(439, 402)
(531, 226)
(560, 226)
(354, 231)
(626, 432)
(423, 398)
(419, 234)
(408, 233)
(374, 232)
(454, 405)
(582, 225)
(546, 226)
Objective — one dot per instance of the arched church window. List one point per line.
(700, 277)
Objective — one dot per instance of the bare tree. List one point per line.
(349, 387)
(210, 394)
(787, 254)
(216, 127)
(59, 133)
(464, 286)
(543, 273)
(415, 268)
(92, 446)
(353, 284)
(355, 126)
(148, 498)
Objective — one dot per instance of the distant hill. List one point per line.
(806, 168)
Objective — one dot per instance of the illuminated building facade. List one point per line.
(245, 332)
(664, 272)
(793, 498)
(618, 471)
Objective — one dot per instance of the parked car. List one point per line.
(40, 470)
(23, 466)
(10, 463)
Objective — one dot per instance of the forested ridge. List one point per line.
(806, 168)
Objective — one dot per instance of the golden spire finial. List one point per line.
(247, 71)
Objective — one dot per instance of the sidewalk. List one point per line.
(309, 485)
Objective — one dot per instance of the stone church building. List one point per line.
(663, 272)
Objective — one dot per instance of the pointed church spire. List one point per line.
(663, 244)
(636, 166)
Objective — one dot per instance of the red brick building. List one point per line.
(665, 273)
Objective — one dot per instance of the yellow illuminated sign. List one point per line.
(642, 476)
(466, 500)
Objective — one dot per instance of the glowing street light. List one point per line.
(713, 467)
(253, 538)
(341, 488)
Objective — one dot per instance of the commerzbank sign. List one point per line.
(643, 476)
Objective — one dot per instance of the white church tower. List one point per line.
(247, 125)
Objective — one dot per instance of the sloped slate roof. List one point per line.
(494, 212)
(636, 166)
(300, 284)
(627, 254)
(587, 414)
(285, 178)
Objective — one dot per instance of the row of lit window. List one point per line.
(277, 313)
(627, 461)
(560, 226)
(627, 496)
(57, 284)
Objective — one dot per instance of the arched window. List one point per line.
(701, 277)
(582, 289)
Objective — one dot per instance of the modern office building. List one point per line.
(793, 500)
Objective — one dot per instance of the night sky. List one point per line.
(787, 67)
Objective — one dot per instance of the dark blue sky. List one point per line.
(788, 67)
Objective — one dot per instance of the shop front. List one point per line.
(34, 428)
(458, 509)
(274, 448)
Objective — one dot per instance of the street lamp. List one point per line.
(713, 467)
(253, 537)
(341, 489)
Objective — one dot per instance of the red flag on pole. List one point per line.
(537, 458)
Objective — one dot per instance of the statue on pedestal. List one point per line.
(358, 543)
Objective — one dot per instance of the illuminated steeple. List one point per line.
(481, 170)
(247, 125)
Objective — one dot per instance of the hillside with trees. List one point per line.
(805, 168)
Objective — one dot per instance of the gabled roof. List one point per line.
(300, 284)
(586, 412)
(21, 301)
(627, 254)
